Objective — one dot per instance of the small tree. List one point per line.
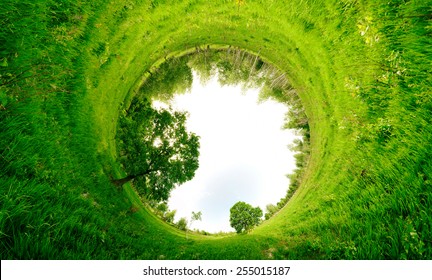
(155, 149)
(244, 217)
(271, 209)
(161, 208)
(182, 224)
(169, 216)
(195, 217)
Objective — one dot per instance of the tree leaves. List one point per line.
(156, 149)
(243, 217)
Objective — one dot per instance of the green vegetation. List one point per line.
(156, 150)
(173, 76)
(182, 224)
(236, 66)
(164, 213)
(196, 216)
(362, 70)
(270, 211)
(243, 217)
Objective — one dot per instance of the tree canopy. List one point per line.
(172, 77)
(196, 216)
(244, 217)
(155, 149)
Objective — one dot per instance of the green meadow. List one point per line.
(362, 69)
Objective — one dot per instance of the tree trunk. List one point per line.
(122, 181)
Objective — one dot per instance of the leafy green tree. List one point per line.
(182, 224)
(172, 77)
(244, 217)
(162, 208)
(202, 63)
(196, 216)
(271, 209)
(169, 216)
(156, 150)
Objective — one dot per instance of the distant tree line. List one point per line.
(172, 77)
(235, 66)
(153, 145)
(161, 209)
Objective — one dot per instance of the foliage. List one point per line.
(173, 76)
(360, 68)
(196, 216)
(270, 211)
(236, 66)
(162, 207)
(169, 216)
(182, 224)
(156, 149)
(243, 217)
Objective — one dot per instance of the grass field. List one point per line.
(362, 70)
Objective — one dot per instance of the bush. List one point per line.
(182, 224)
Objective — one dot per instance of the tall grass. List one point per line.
(362, 71)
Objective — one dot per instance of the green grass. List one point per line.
(362, 70)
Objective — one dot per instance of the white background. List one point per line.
(133, 270)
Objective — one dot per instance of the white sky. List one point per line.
(243, 153)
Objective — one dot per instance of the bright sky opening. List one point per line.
(243, 153)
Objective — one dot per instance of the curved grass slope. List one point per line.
(362, 69)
